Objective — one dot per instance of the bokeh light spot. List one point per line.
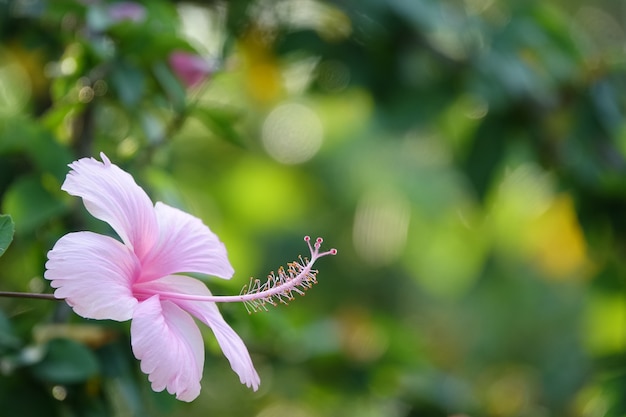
(292, 133)
(59, 392)
(100, 87)
(475, 107)
(380, 227)
(85, 94)
(15, 88)
(68, 65)
(601, 30)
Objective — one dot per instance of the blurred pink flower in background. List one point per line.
(103, 278)
(190, 68)
(127, 10)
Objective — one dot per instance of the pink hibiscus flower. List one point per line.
(190, 68)
(138, 278)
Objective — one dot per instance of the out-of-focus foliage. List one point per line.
(7, 229)
(466, 157)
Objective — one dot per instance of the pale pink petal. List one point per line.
(231, 344)
(233, 347)
(185, 244)
(94, 274)
(169, 345)
(111, 194)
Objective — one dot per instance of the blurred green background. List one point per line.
(467, 158)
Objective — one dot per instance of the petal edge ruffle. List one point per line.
(112, 195)
(94, 274)
(169, 345)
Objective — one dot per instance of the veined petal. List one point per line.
(111, 194)
(233, 347)
(185, 245)
(94, 274)
(169, 345)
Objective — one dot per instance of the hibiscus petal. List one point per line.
(233, 347)
(94, 273)
(169, 345)
(111, 194)
(185, 245)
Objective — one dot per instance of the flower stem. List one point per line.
(38, 296)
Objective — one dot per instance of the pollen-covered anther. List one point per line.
(283, 285)
(280, 287)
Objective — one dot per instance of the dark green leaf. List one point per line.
(21, 396)
(7, 228)
(8, 340)
(486, 153)
(66, 362)
(24, 135)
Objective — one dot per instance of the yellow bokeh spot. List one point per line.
(263, 76)
(532, 223)
(556, 242)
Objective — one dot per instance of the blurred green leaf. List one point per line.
(21, 396)
(31, 204)
(172, 87)
(56, 116)
(98, 18)
(66, 362)
(120, 371)
(7, 228)
(8, 339)
(153, 127)
(425, 14)
(128, 82)
(487, 152)
(221, 122)
(29, 355)
(23, 135)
